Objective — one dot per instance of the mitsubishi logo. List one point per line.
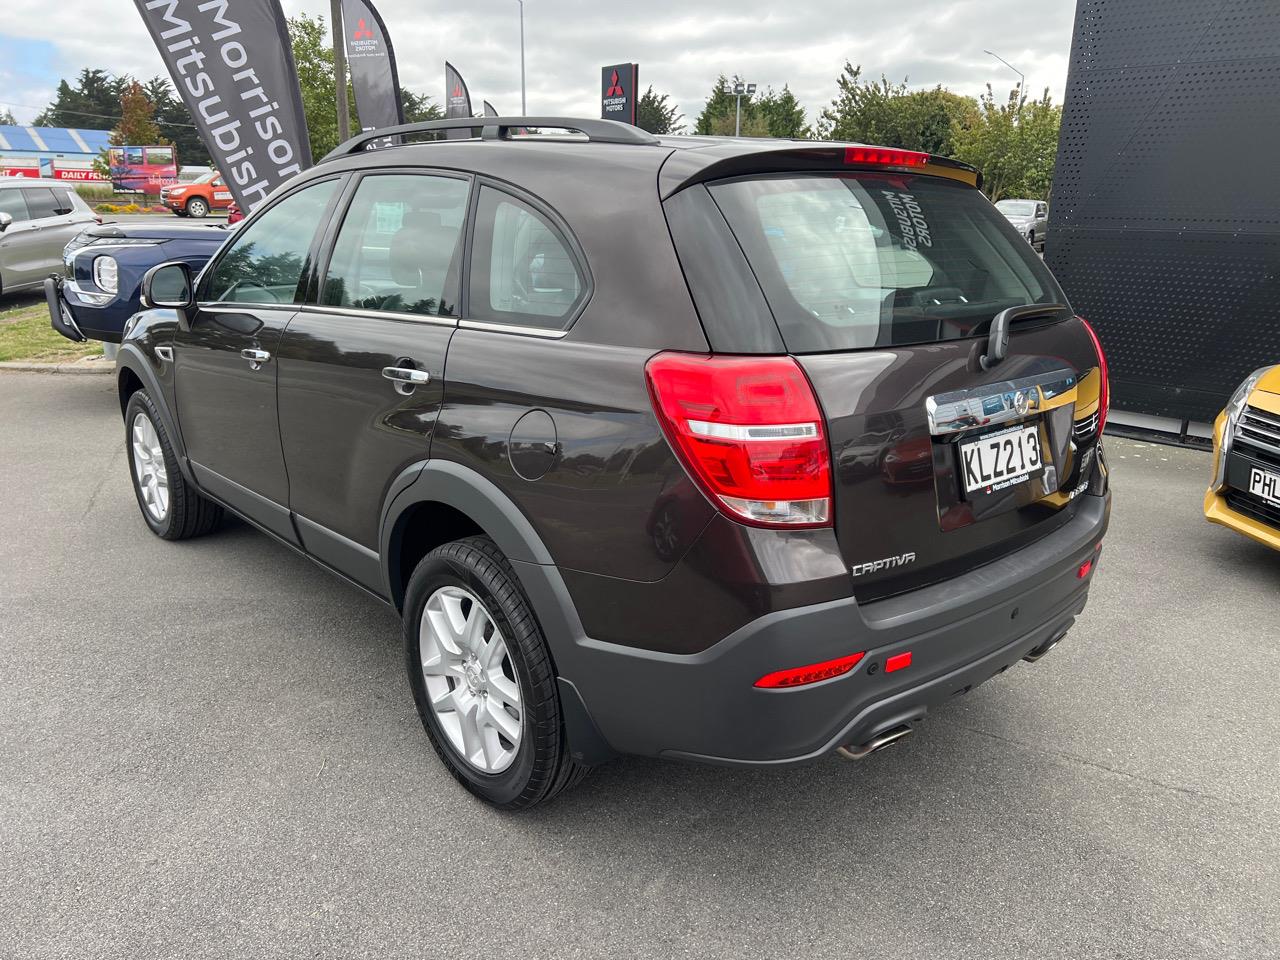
(457, 90)
(362, 32)
(615, 88)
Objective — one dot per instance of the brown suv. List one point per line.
(743, 451)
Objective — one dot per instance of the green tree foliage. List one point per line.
(175, 123)
(418, 107)
(655, 114)
(137, 123)
(1014, 144)
(889, 114)
(93, 102)
(7, 119)
(767, 114)
(313, 55)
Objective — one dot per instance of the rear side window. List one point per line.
(12, 203)
(864, 260)
(523, 272)
(64, 199)
(266, 260)
(40, 202)
(397, 249)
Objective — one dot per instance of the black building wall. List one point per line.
(1165, 212)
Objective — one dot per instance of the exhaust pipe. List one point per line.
(1044, 648)
(881, 740)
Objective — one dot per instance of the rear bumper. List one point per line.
(964, 631)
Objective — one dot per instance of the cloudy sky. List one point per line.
(681, 46)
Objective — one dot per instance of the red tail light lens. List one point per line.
(750, 433)
(885, 157)
(1104, 389)
(815, 672)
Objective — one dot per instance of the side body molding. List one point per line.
(132, 358)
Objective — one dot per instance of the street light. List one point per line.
(1022, 77)
(739, 90)
(524, 109)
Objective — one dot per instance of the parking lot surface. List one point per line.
(209, 749)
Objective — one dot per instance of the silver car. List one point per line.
(1030, 217)
(37, 219)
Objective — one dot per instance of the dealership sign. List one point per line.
(83, 174)
(618, 85)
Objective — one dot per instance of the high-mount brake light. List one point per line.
(813, 673)
(750, 433)
(885, 157)
(1104, 388)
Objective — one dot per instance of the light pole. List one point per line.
(340, 71)
(1022, 78)
(739, 89)
(524, 109)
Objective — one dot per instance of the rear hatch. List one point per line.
(883, 284)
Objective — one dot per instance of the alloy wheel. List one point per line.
(149, 468)
(470, 679)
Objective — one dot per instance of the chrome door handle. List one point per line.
(406, 375)
(256, 358)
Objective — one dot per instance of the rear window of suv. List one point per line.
(864, 260)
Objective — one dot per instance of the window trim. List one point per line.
(304, 282)
(565, 234)
(330, 239)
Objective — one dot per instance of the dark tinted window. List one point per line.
(863, 260)
(266, 260)
(63, 197)
(40, 202)
(397, 249)
(11, 202)
(522, 271)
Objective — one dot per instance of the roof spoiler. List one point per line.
(747, 157)
(500, 128)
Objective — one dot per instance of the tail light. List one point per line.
(813, 673)
(885, 157)
(1104, 388)
(750, 433)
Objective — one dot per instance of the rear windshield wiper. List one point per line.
(998, 338)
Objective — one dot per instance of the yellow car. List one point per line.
(1245, 494)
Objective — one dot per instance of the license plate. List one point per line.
(998, 461)
(1264, 484)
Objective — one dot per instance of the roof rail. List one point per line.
(501, 128)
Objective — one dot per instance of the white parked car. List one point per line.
(1030, 217)
(37, 219)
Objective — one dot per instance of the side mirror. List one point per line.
(6, 220)
(168, 285)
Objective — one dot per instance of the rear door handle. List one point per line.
(256, 358)
(406, 375)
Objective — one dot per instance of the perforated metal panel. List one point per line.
(1165, 214)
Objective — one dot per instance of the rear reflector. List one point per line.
(799, 676)
(750, 433)
(1085, 569)
(885, 157)
(899, 661)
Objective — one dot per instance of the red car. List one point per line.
(198, 198)
(234, 214)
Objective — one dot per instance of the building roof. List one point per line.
(88, 143)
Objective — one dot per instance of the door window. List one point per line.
(63, 197)
(267, 261)
(12, 203)
(522, 270)
(398, 247)
(40, 202)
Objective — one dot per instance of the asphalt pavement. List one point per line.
(209, 749)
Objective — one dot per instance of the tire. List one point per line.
(471, 578)
(197, 207)
(180, 213)
(172, 508)
(1031, 239)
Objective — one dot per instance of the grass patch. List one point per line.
(25, 334)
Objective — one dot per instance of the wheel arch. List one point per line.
(134, 373)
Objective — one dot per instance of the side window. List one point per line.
(397, 249)
(267, 260)
(522, 271)
(63, 197)
(1042, 210)
(40, 202)
(12, 203)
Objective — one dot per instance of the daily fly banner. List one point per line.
(231, 63)
(373, 66)
(457, 100)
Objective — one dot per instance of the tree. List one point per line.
(719, 105)
(313, 55)
(1014, 144)
(175, 122)
(94, 101)
(418, 107)
(768, 114)
(137, 118)
(655, 114)
(889, 114)
(7, 119)
(783, 115)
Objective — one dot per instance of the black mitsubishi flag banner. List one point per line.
(457, 100)
(372, 63)
(618, 85)
(489, 109)
(231, 63)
